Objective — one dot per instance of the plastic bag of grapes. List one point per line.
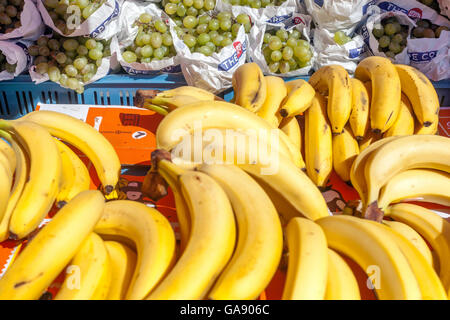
(14, 59)
(344, 15)
(387, 35)
(20, 19)
(338, 48)
(282, 47)
(74, 18)
(73, 62)
(145, 42)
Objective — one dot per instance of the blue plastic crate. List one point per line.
(20, 96)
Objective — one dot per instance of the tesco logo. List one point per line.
(422, 56)
(415, 13)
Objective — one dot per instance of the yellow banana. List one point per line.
(7, 152)
(333, 82)
(20, 178)
(433, 228)
(292, 129)
(86, 139)
(404, 124)
(429, 284)
(42, 186)
(153, 236)
(359, 116)
(88, 276)
(405, 152)
(416, 183)
(345, 151)
(318, 142)
(42, 260)
(5, 188)
(298, 99)
(420, 91)
(413, 236)
(250, 88)
(341, 282)
(73, 165)
(307, 271)
(386, 91)
(276, 91)
(378, 255)
(211, 243)
(370, 138)
(421, 129)
(123, 264)
(260, 239)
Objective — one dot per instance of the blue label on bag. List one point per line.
(101, 28)
(367, 5)
(293, 22)
(414, 13)
(27, 54)
(319, 3)
(279, 19)
(365, 34)
(422, 56)
(170, 69)
(356, 52)
(240, 49)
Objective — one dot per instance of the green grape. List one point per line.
(82, 3)
(42, 68)
(390, 29)
(90, 67)
(188, 3)
(145, 39)
(146, 60)
(70, 44)
(273, 67)
(224, 16)
(72, 83)
(91, 44)
(156, 40)
(147, 51)
(265, 3)
(33, 50)
(167, 39)
(247, 27)
(100, 46)
(211, 45)
(95, 54)
(40, 59)
(63, 80)
(181, 10)
(178, 22)
(170, 8)
(295, 34)
(228, 34)
(71, 54)
(82, 50)
(205, 50)
(145, 18)
(158, 53)
(54, 74)
(291, 42)
(202, 28)
(303, 43)
(80, 89)
(98, 62)
(214, 25)
(242, 18)
(191, 11)
(87, 12)
(138, 51)
(42, 41)
(225, 25)
(288, 53)
(160, 26)
(203, 39)
(51, 3)
(198, 4)
(190, 22)
(70, 70)
(266, 37)
(175, 1)
(398, 37)
(235, 2)
(292, 64)
(53, 44)
(218, 40)
(213, 34)
(61, 58)
(235, 29)
(44, 51)
(384, 41)
(256, 4)
(395, 47)
(80, 63)
(276, 55)
(275, 43)
(204, 19)
(301, 52)
(226, 42)
(189, 40)
(209, 4)
(282, 34)
(284, 67)
(378, 31)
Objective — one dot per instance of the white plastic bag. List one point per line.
(372, 42)
(289, 22)
(335, 15)
(102, 24)
(329, 52)
(32, 24)
(131, 10)
(15, 53)
(413, 9)
(444, 5)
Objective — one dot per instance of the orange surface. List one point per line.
(132, 133)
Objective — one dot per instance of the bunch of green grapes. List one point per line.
(286, 51)
(208, 34)
(5, 66)
(178, 9)
(57, 9)
(153, 41)
(392, 36)
(255, 4)
(71, 62)
(426, 29)
(341, 38)
(10, 11)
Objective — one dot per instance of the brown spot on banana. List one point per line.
(258, 92)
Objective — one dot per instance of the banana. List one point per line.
(429, 284)
(307, 271)
(21, 175)
(341, 282)
(370, 138)
(292, 129)
(413, 236)
(75, 177)
(42, 186)
(42, 260)
(86, 139)
(6, 151)
(171, 172)
(276, 91)
(357, 170)
(153, 236)
(386, 91)
(433, 228)
(250, 88)
(359, 116)
(377, 254)
(345, 151)
(420, 91)
(88, 276)
(123, 264)
(416, 183)
(6, 179)
(221, 115)
(405, 152)
(260, 237)
(404, 124)
(211, 242)
(298, 99)
(421, 129)
(318, 142)
(333, 82)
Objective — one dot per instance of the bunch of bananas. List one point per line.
(39, 170)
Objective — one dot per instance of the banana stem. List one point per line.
(158, 109)
(4, 124)
(5, 135)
